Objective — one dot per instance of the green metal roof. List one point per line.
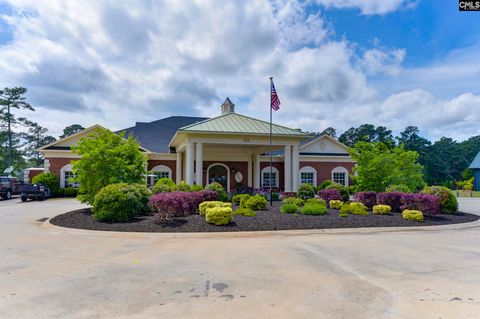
(476, 162)
(237, 123)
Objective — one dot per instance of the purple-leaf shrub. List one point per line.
(368, 199)
(287, 194)
(330, 194)
(426, 203)
(392, 199)
(175, 204)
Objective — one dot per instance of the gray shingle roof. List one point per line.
(155, 136)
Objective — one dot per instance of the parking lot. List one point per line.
(51, 272)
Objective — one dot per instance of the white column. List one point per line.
(199, 164)
(288, 168)
(295, 167)
(178, 175)
(189, 163)
(256, 171)
(249, 171)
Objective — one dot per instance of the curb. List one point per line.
(280, 233)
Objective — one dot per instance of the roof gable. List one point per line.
(66, 142)
(237, 123)
(476, 162)
(324, 144)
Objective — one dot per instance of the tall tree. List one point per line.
(71, 129)
(330, 131)
(12, 98)
(36, 137)
(367, 133)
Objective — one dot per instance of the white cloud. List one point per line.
(117, 63)
(369, 7)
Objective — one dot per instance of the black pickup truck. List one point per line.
(34, 191)
(9, 186)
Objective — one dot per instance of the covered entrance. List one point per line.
(219, 173)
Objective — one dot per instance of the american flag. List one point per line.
(275, 99)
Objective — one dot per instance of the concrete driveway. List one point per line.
(50, 272)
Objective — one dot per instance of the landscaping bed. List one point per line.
(270, 219)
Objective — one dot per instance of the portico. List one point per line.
(241, 142)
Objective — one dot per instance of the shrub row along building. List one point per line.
(231, 149)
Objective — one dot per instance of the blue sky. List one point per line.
(336, 63)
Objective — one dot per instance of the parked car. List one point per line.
(9, 186)
(34, 191)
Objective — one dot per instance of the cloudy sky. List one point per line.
(336, 63)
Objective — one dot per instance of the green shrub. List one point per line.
(243, 200)
(275, 196)
(70, 192)
(196, 188)
(316, 201)
(219, 215)
(238, 197)
(256, 202)
(354, 208)
(335, 204)
(288, 208)
(398, 188)
(247, 212)
(342, 189)
(217, 187)
(313, 209)
(343, 214)
(293, 200)
(382, 209)
(415, 215)
(143, 193)
(202, 208)
(164, 185)
(183, 187)
(325, 184)
(306, 191)
(119, 202)
(448, 200)
(47, 179)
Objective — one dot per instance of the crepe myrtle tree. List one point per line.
(107, 158)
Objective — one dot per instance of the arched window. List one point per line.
(66, 176)
(220, 173)
(267, 179)
(161, 171)
(308, 175)
(340, 175)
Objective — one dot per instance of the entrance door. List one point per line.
(219, 174)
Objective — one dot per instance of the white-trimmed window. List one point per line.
(161, 171)
(66, 176)
(308, 175)
(267, 180)
(340, 175)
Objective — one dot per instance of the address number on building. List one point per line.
(246, 140)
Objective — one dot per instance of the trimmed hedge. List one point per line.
(354, 208)
(306, 191)
(202, 208)
(247, 212)
(314, 209)
(120, 202)
(167, 205)
(330, 194)
(219, 215)
(336, 204)
(288, 208)
(368, 199)
(256, 202)
(293, 200)
(316, 201)
(413, 215)
(448, 200)
(393, 199)
(426, 203)
(164, 185)
(238, 197)
(381, 209)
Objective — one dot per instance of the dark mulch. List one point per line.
(265, 220)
